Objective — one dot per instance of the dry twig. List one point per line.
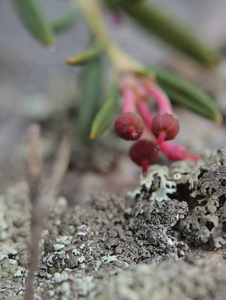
(42, 194)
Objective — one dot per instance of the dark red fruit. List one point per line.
(165, 127)
(143, 154)
(129, 126)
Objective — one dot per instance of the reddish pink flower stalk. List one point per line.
(145, 113)
(176, 152)
(129, 96)
(141, 90)
(164, 125)
(129, 100)
(164, 105)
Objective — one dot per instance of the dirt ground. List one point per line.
(163, 236)
(166, 238)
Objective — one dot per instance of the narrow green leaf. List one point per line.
(91, 53)
(89, 100)
(31, 14)
(159, 22)
(106, 114)
(116, 3)
(65, 21)
(185, 94)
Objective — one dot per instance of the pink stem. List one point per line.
(160, 140)
(166, 147)
(145, 135)
(129, 101)
(164, 105)
(175, 152)
(145, 113)
(144, 167)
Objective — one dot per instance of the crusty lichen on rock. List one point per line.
(157, 185)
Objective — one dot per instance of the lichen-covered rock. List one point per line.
(169, 280)
(153, 224)
(204, 184)
(157, 185)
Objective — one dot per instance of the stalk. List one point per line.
(92, 12)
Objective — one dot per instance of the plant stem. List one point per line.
(160, 140)
(144, 168)
(92, 11)
(175, 152)
(145, 113)
(164, 105)
(129, 101)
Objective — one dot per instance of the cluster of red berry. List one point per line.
(136, 123)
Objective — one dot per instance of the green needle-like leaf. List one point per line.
(89, 100)
(106, 114)
(32, 15)
(116, 3)
(66, 20)
(159, 22)
(91, 53)
(185, 94)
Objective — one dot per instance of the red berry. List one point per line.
(143, 154)
(129, 126)
(165, 127)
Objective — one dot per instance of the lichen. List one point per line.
(169, 280)
(153, 223)
(157, 185)
(104, 243)
(205, 183)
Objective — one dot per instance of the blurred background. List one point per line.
(37, 86)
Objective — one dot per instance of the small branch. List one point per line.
(59, 168)
(145, 113)
(164, 104)
(34, 161)
(129, 101)
(123, 63)
(42, 195)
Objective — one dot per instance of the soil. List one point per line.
(166, 238)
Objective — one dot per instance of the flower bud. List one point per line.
(129, 126)
(143, 154)
(165, 127)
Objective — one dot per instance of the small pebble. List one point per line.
(18, 273)
(57, 277)
(12, 262)
(58, 247)
(3, 236)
